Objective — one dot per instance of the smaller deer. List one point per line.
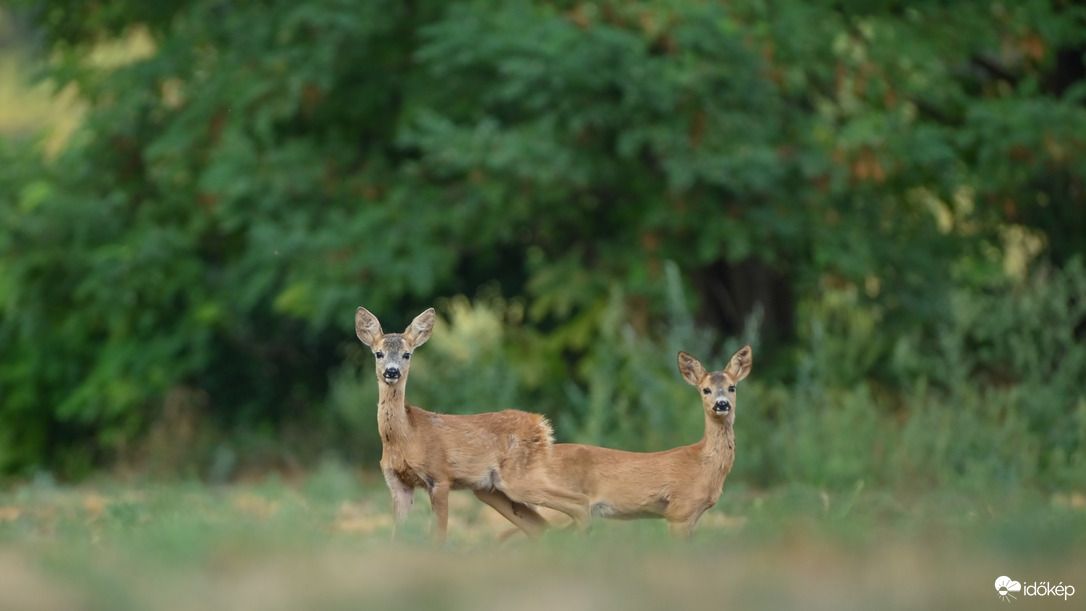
(499, 456)
(678, 484)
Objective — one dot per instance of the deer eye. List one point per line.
(731, 389)
(705, 391)
(406, 356)
(379, 354)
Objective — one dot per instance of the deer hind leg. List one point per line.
(539, 491)
(522, 516)
(403, 496)
(574, 505)
(439, 503)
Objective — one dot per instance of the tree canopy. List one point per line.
(267, 166)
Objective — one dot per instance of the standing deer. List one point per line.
(678, 484)
(500, 456)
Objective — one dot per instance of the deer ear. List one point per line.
(739, 366)
(690, 368)
(367, 327)
(419, 330)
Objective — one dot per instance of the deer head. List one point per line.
(717, 388)
(393, 351)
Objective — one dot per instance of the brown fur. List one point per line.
(678, 484)
(500, 456)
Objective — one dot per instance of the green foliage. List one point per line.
(993, 397)
(833, 182)
(627, 391)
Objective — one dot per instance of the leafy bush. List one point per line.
(992, 396)
(834, 183)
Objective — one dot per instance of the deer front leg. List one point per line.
(681, 530)
(522, 516)
(403, 496)
(439, 504)
(681, 523)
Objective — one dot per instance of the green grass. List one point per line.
(323, 542)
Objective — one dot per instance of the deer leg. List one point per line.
(574, 505)
(682, 523)
(682, 530)
(439, 503)
(697, 517)
(403, 496)
(522, 516)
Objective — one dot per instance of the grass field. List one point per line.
(323, 542)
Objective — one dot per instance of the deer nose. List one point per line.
(392, 372)
(722, 405)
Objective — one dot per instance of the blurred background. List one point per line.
(886, 199)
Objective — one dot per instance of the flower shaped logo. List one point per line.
(1005, 585)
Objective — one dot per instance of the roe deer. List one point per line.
(679, 484)
(499, 456)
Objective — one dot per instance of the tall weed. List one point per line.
(990, 398)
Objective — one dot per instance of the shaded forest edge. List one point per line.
(885, 202)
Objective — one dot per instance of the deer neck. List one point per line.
(718, 444)
(392, 419)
